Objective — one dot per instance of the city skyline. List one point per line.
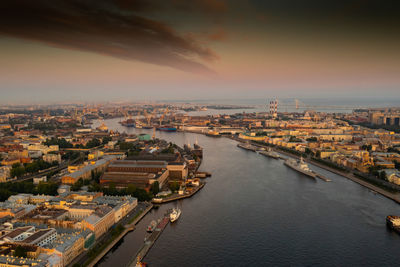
(214, 49)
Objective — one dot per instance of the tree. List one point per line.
(382, 175)
(20, 252)
(155, 188)
(106, 139)
(397, 165)
(17, 172)
(174, 186)
(93, 143)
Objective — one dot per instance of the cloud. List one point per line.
(113, 28)
(218, 35)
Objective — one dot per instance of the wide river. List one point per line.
(254, 211)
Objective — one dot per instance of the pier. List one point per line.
(149, 241)
(128, 227)
(177, 196)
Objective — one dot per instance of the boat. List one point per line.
(139, 263)
(174, 215)
(271, 154)
(128, 123)
(167, 128)
(152, 226)
(247, 146)
(213, 134)
(300, 166)
(393, 222)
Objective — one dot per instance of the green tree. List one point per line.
(20, 252)
(93, 143)
(106, 139)
(382, 175)
(17, 172)
(174, 186)
(155, 188)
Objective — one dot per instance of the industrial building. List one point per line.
(136, 172)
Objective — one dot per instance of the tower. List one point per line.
(273, 108)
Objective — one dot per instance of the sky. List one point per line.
(135, 50)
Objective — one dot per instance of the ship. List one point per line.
(174, 215)
(128, 123)
(152, 226)
(213, 134)
(247, 146)
(167, 128)
(271, 154)
(300, 166)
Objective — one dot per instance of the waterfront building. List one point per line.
(100, 221)
(136, 172)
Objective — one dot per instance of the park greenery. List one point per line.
(18, 169)
(61, 142)
(27, 187)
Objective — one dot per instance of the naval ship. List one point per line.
(300, 166)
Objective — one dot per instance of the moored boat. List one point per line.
(271, 154)
(247, 146)
(174, 215)
(300, 166)
(167, 128)
(393, 222)
(152, 226)
(212, 133)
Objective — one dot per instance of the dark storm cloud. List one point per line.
(114, 28)
(367, 12)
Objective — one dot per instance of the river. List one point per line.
(254, 211)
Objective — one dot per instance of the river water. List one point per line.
(254, 211)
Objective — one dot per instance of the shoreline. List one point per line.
(127, 228)
(350, 176)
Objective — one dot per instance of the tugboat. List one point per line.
(152, 226)
(300, 166)
(174, 215)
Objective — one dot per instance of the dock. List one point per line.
(320, 176)
(149, 241)
(177, 196)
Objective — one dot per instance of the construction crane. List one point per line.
(148, 117)
(163, 115)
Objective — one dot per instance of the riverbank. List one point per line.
(127, 228)
(350, 176)
(247, 193)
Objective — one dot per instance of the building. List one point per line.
(50, 158)
(10, 261)
(86, 172)
(136, 172)
(100, 221)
